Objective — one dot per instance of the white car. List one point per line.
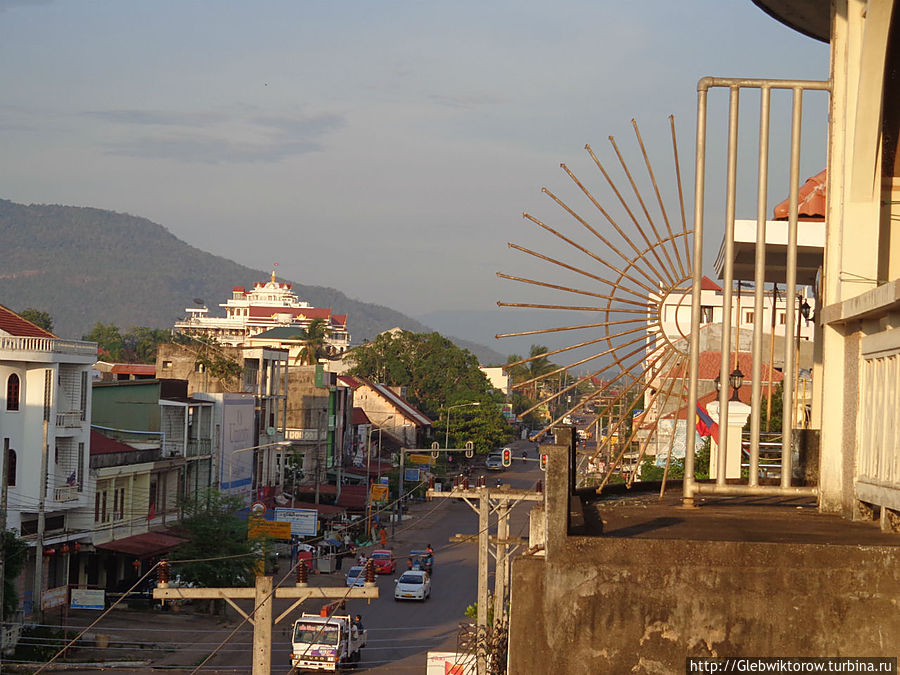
(412, 585)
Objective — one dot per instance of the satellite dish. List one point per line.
(199, 301)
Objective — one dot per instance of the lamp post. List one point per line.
(460, 405)
(735, 381)
(252, 447)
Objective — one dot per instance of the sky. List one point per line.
(386, 149)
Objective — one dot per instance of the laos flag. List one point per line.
(705, 425)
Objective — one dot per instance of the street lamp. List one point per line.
(735, 381)
(447, 434)
(252, 447)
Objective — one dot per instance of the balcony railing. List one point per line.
(70, 419)
(40, 344)
(65, 493)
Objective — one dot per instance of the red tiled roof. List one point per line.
(103, 445)
(133, 369)
(707, 284)
(144, 545)
(15, 325)
(811, 204)
(339, 319)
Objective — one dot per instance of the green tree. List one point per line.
(109, 341)
(315, 342)
(437, 375)
(38, 318)
(217, 538)
(140, 343)
(14, 561)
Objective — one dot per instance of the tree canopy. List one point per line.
(38, 318)
(136, 346)
(218, 539)
(437, 375)
(14, 560)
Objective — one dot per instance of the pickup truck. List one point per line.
(326, 642)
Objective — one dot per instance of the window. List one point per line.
(80, 470)
(166, 365)
(781, 318)
(748, 317)
(12, 392)
(199, 367)
(706, 314)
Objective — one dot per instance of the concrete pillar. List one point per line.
(737, 416)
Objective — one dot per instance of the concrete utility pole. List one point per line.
(503, 498)
(261, 614)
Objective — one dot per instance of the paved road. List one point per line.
(400, 633)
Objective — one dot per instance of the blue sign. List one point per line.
(384, 480)
(411, 475)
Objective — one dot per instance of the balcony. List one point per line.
(40, 344)
(72, 419)
(65, 493)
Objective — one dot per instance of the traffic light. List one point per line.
(507, 457)
(543, 461)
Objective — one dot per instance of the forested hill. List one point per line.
(84, 265)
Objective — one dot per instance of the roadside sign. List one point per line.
(419, 459)
(385, 480)
(379, 492)
(54, 597)
(258, 528)
(258, 509)
(411, 475)
(88, 598)
(302, 521)
(449, 663)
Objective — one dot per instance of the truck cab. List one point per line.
(325, 642)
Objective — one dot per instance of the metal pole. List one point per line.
(759, 280)
(369, 484)
(697, 258)
(401, 480)
(484, 510)
(447, 431)
(790, 294)
(36, 597)
(4, 492)
(728, 281)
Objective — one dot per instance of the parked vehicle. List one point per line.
(413, 585)
(383, 560)
(424, 559)
(356, 576)
(326, 642)
(494, 462)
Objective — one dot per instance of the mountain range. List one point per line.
(83, 265)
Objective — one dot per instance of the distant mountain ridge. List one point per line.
(84, 265)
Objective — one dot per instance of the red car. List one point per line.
(383, 561)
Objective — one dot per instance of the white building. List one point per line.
(267, 305)
(45, 419)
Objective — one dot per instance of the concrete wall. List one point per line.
(627, 605)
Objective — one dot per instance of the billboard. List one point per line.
(449, 663)
(236, 468)
(304, 522)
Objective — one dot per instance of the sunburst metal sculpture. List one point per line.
(629, 265)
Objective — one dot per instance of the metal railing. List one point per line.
(65, 493)
(735, 87)
(198, 446)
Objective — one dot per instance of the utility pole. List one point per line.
(502, 500)
(262, 595)
(4, 491)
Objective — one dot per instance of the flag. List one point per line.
(705, 424)
(70, 481)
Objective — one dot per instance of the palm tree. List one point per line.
(315, 341)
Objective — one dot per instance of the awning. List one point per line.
(143, 545)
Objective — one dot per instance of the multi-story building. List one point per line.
(270, 304)
(390, 411)
(45, 434)
(260, 372)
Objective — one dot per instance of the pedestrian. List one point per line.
(362, 560)
(409, 564)
(382, 537)
(357, 621)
